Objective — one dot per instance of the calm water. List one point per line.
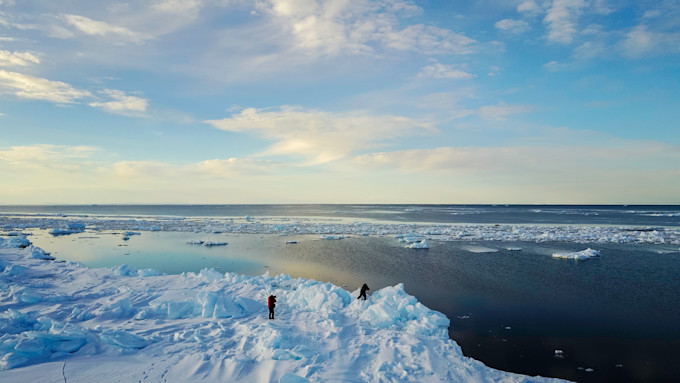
(617, 314)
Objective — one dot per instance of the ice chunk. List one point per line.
(38, 253)
(332, 237)
(15, 242)
(195, 242)
(479, 249)
(419, 245)
(148, 273)
(71, 228)
(211, 274)
(125, 271)
(579, 255)
(392, 307)
(12, 360)
(212, 243)
(75, 226)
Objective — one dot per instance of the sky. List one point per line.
(340, 101)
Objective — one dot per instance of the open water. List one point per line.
(511, 304)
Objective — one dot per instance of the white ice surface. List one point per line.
(334, 230)
(119, 325)
(578, 255)
(424, 244)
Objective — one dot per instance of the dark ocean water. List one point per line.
(615, 317)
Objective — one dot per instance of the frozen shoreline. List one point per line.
(209, 326)
(65, 224)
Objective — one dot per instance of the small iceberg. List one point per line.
(424, 245)
(332, 237)
(578, 255)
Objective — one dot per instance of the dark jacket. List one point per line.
(271, 302)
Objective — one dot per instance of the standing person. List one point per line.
(363, 291)
(271, 303)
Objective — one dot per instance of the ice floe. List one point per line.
(65, 321)
(578, 255)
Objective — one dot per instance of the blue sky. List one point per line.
(347, 101)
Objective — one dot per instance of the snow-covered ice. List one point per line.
(578, 255)
(329, 229)
(424, 244)
(61, 321)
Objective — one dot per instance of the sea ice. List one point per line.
(110, 325)
(424, 244)
(214, 243)
(578, 255)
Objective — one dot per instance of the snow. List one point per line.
(61, 321)
(578, 255)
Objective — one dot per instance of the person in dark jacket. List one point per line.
(363, 291)
(271, 303)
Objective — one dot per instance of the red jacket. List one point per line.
(271, 301)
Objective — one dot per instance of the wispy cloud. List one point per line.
(36, 88)
(100, 28)
(512, 26)
(177, 6)
(529, 8)
(502, 111)
(10, 59)
(642, 42)
(320, 136)
(335, 27)
(120, 102)
(562, 20)
(441, 71)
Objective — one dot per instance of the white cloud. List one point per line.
(26, 86)
(121, 102)
(340, 26)
(438, 70)
(501, 111)
(512, 26)
(641, 42)
(529, 8)
(429, 40)
(562, 20)
(8, 58)
(320, 136)
(177, 6)
(100, 28)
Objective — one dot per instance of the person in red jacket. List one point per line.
(271, 302)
